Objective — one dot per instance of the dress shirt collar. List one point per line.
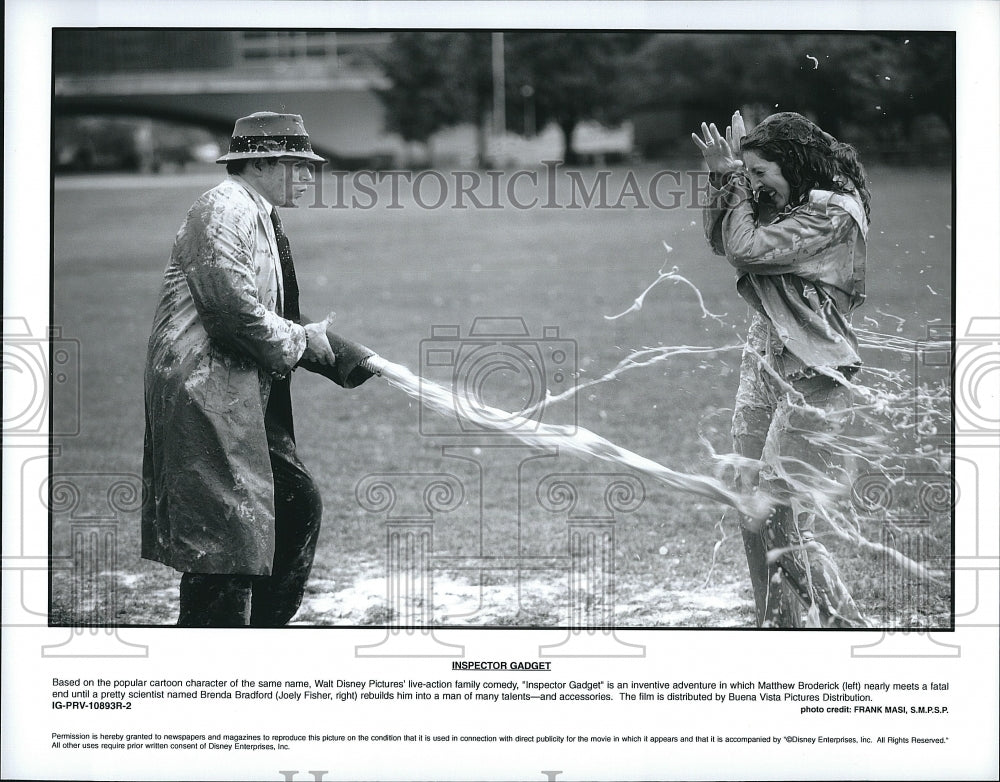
(263, 204)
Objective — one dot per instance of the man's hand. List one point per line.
(317, 345)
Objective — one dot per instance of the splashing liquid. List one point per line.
(892, 411)
(577, 441)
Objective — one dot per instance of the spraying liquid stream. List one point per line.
(894, 412)
(577, 441)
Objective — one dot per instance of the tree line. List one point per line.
(892, 92)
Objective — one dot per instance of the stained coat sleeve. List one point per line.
(719, 194)
(782, 247)
(218, 261)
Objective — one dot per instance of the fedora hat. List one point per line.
(267, 134)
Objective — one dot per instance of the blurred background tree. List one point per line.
(572, 77)
(440, 79)
(889, 92)
(424, 93)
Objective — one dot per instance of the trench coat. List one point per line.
(217, 341)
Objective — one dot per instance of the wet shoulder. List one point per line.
(227, 203)
(832, 204)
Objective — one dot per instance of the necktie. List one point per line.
(278, 415)
(290, 304)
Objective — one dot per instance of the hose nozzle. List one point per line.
(374, 364)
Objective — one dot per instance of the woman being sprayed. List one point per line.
(792, 217)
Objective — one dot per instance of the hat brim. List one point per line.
(255, 155)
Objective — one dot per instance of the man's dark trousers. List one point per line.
(228, 600)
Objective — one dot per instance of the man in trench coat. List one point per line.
(228, 502)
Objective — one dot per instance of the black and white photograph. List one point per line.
(635, 325)
(625, 360)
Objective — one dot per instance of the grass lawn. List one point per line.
(392, 275)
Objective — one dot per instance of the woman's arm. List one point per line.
(781, 247)
(722, 158)
(723, 191)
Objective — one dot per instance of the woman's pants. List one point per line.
(788, 436)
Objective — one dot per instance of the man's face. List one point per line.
(285, 180)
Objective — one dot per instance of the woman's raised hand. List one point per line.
(716, 150)
(736, 132)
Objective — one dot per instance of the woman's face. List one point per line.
(766, 179)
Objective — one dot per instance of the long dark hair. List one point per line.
(808, 157)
